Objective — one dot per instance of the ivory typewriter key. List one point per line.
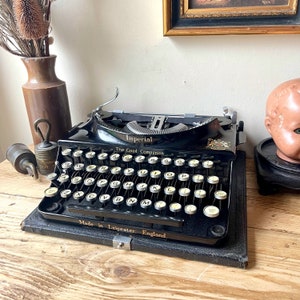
(129, 171)
(128, 185)
(141, 187)
(155, 188)
(66, 152)
(140, 159)
(155, 174)
(115, 184)
(160, 205)
(200, 194)
(102, 183)
(77, 153)
(102, 156)
(211, 211)
(142, 173)
(152, 160)
(79, 167)
(183, 177)
(198, 178)
(104, 198)
(103, 169)
(169, 190)
(127, 158)
(89, 181)
(78, 195)
(116, 170)
(179, 162)
(91, 168)
(90, 154)
(169, 175)
(65, 193)
(52, 176)
(190, 209)
(66, 165)
(76, 180)
(166, 161)
(51, 192)
(114, 157)
(194, 163)
(213, 180)
(90, 197)
(184, 192)
(207, 164)
(132, 201)
(118, 200)
(63, 178)
(145, 203)
(175, 207)
(220, 195)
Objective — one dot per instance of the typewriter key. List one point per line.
(116, 170)
(52, 176)
(90, 197)
(132, 201)
(129, 171)
(155, 174)
(152, 160)
(169, 175)
(115, 184)
(169, 190)
(194, 163)
(91, 168)
(118, 200)
(79, 167)
(142, 173)
(184, 192)
(175, 207)
(127, 158)
(66, 152)
(207, 164)
(66, 165)
(103, 169)
(155, 188)
(77, 153)
(211, 211)
(220, 195)
(190, 209)
(200, 194)
(179, 162)
(198, 178)
(104, 198)
(140, 159)
(183, 177)
(90, 154)
(63, 178)
(65, 193)
(141, 187)
(89, 181)
(114, 157)
(128, 185)
(145, 203)
(102, 156)
(102, 183)
(160, 205)
(78, 195)
(166, 161)
(76, 180)
(213, 180)
(51, 192)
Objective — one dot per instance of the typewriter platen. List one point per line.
(154, 176)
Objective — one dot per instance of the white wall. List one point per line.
(109, 43)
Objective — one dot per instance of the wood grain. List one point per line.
(33, 266)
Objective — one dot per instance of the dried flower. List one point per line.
(24, 27)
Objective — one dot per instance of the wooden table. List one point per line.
(34, 266)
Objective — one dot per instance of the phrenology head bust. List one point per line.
(282, 120)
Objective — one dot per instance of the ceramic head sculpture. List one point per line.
(282, 120)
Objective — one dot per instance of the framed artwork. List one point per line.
(202, 17)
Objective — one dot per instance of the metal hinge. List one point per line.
(122, 242)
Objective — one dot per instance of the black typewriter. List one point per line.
(164, 178)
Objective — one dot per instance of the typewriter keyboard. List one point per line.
(181, 196)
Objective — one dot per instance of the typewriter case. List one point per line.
(233, 249)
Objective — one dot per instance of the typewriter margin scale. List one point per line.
(150, 134)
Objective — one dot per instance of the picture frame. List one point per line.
(216, 17)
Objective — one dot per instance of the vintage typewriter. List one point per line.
(153, 179)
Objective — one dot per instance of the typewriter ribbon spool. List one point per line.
(46, 151)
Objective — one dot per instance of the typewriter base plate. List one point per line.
(233, 252)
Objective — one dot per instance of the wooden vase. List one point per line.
(46, 97)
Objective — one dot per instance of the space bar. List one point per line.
(126, 215)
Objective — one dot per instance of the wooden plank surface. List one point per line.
(33, 266)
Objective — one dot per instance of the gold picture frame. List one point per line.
(205, 17)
